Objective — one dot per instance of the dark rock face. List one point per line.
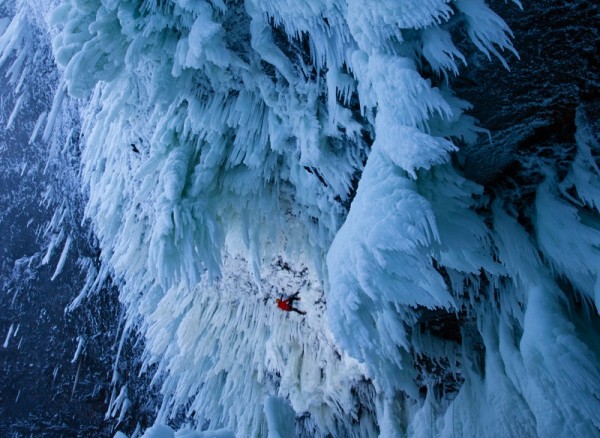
(533, 105)
(530, 112)
(44, 389)
(38, 391)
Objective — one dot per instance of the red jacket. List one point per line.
(284, 305)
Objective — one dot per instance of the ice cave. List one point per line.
(299, 218)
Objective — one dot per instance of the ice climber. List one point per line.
(287, 304)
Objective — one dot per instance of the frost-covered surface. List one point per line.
(236, 150)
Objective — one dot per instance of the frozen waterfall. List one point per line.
(231, 151)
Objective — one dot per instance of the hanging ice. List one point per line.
(235, 151)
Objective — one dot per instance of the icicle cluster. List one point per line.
(217, 133)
